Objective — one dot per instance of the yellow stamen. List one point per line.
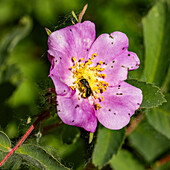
(93, 76)
(73, 67)
(81, 64)
(98, 91)
(72, 87)
(102, 98)
(95, 96)
(101, 62)
(98, 106)
(84, 94)
(94, 55)
(74, 58)
(103, 75)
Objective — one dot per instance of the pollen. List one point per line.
(97, 106)
(95, 84)
(84, 95)
(72, 87)
(74, 59)
(94, 55)
(102, 98)
(95, 96)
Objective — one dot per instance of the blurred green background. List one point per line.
(24, 66)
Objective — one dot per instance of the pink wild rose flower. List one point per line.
(89, 76)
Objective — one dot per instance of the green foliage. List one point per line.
(148, 142)
(5, 142)
(159, 118)
(34, 155)
(16, 35)
(149, 90)
(156, 38)
(124, 160)
(108, 143)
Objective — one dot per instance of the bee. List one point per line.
(86, 85)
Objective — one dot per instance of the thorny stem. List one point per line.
(41, 117)
(162, 161)
(134, 124)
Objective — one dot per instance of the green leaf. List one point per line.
(38, 157)
(14, 37)
(124, 160)
(108, 143)
(152, 95)
(52, 151)
(5, 143)
(148, 142)
(34, 156)
(156, 26)
(159, 118)
(166, 85)
(75, 153)
(14, 161)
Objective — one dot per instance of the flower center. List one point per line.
(89, 79)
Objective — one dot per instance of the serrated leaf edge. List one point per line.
(8, 140)
(158, 90)
(31, 158)
(44, 151)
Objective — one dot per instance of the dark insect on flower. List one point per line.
(86, 85)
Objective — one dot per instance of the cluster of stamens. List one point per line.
(93, 76)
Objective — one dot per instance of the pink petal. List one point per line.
(77, 112)
(108, 46)
(60, 67)
(129, 60)
(115, 73)
(117, 70)
(73, 40)
(120, 103)
(61, 88)
(112, 50)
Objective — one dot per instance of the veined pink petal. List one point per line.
(108, 46)
(75, 112)
(61, 88)
(60, 67)
(74, 40)
(117, 70)
(120, 103)
(112, 50)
